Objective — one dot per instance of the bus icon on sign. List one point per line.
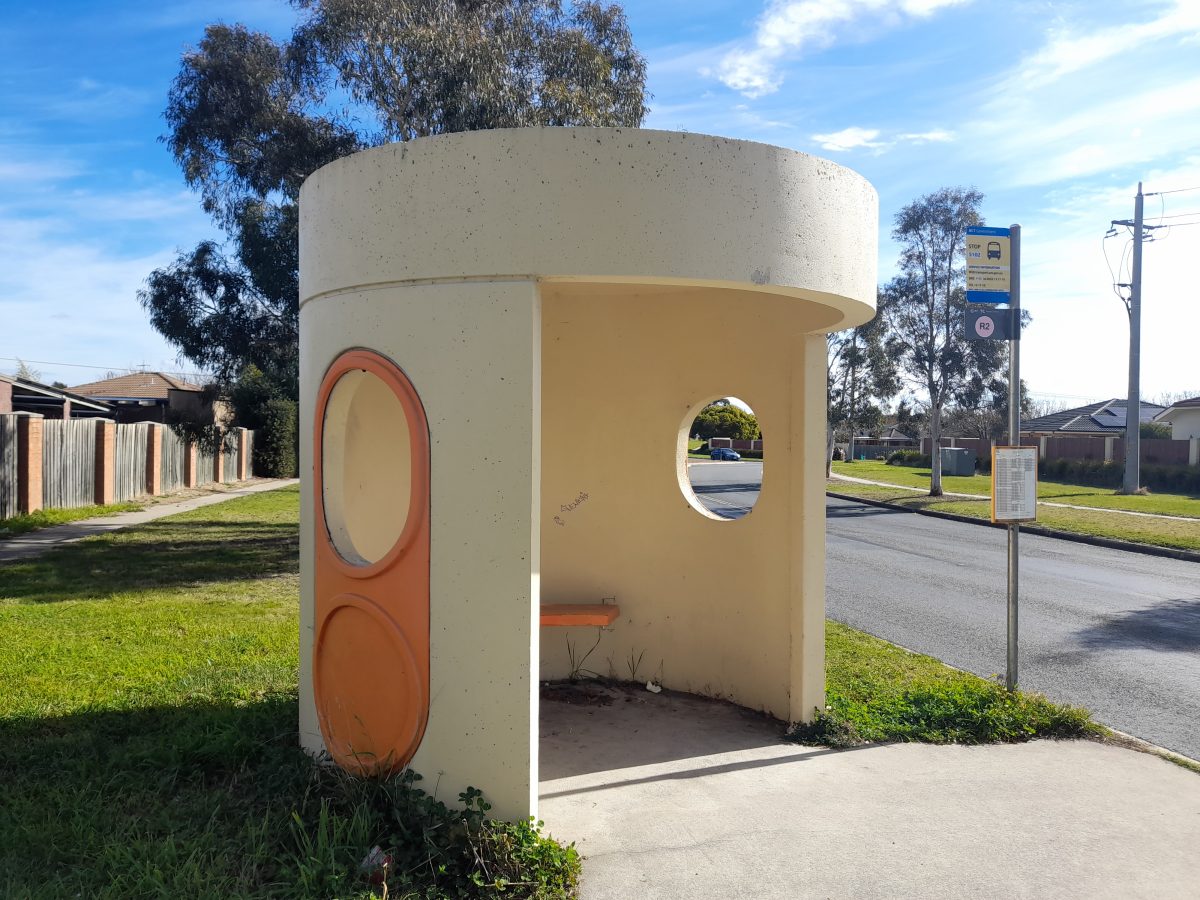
(993, 249)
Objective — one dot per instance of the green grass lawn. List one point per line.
(1178, 534)
(876, 691)
(44, 518)
(148, 734)
(1079, 495)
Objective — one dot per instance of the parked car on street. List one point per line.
(726, 454)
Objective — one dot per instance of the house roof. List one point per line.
(1190, 403)
(1107, 417)
(135, 386)
(37, 394)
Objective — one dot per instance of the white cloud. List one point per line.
(1115, 97)
(1066, 53)
(849, 139)
(790, 27)
(75, 259)
(854, 138)
(937, 136)
(1037, 144)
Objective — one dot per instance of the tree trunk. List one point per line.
(935, 456)
(828, 449)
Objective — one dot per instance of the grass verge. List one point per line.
(148, 736)
(1075, 494)
(876, 691)
(1177, 534)
(45, 518)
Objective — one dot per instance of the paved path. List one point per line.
(23, 546)
(670, 796)
(1114, 631)
(1124, 512)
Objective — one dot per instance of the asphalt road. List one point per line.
(1116, 632)
(728, 489)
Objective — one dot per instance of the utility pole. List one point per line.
(1133, 406)
(1014, 439)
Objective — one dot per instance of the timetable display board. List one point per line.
(1014, 484)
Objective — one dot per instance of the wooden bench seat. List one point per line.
(579, 613)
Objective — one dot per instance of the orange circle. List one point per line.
(367, 687)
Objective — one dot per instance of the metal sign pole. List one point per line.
(1014, 438)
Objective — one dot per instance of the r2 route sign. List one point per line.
(1014, 484)
(988, 325)
(989, 264)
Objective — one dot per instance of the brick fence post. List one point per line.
(29, 463)
(106, 461)
(219, 459)
(243, 460)
(154, 459)
(190, 475)
(1194, 451)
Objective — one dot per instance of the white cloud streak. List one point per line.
(1066, 53)
(791, 27)
(855, 138)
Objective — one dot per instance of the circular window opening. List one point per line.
(721, 458)
(366, 467)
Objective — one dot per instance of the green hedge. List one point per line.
(1168, 479)
(275, 441)
(914, 458)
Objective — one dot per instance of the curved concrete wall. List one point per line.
(596, 204)
(650, 271)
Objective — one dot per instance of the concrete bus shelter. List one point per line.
(505, 336)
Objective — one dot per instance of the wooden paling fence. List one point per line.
(68, 463)
(131, 461)
(229, 461)
(174, 462)
(79, 462)
(204, 466)
(8, 466)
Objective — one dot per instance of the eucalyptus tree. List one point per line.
(926, 304)
(250, 117)
(862, 375)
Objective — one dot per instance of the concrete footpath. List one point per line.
(674, 796)
(23, 546)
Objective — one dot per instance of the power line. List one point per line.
(1181, 215)
(46, 362)
(1176, 191)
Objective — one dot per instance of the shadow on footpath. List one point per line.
(1172, 625)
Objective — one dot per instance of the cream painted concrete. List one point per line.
(596, 204)
(471, 352)
(560, 299)
(707, 605)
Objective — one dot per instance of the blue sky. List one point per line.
(1054, 110)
